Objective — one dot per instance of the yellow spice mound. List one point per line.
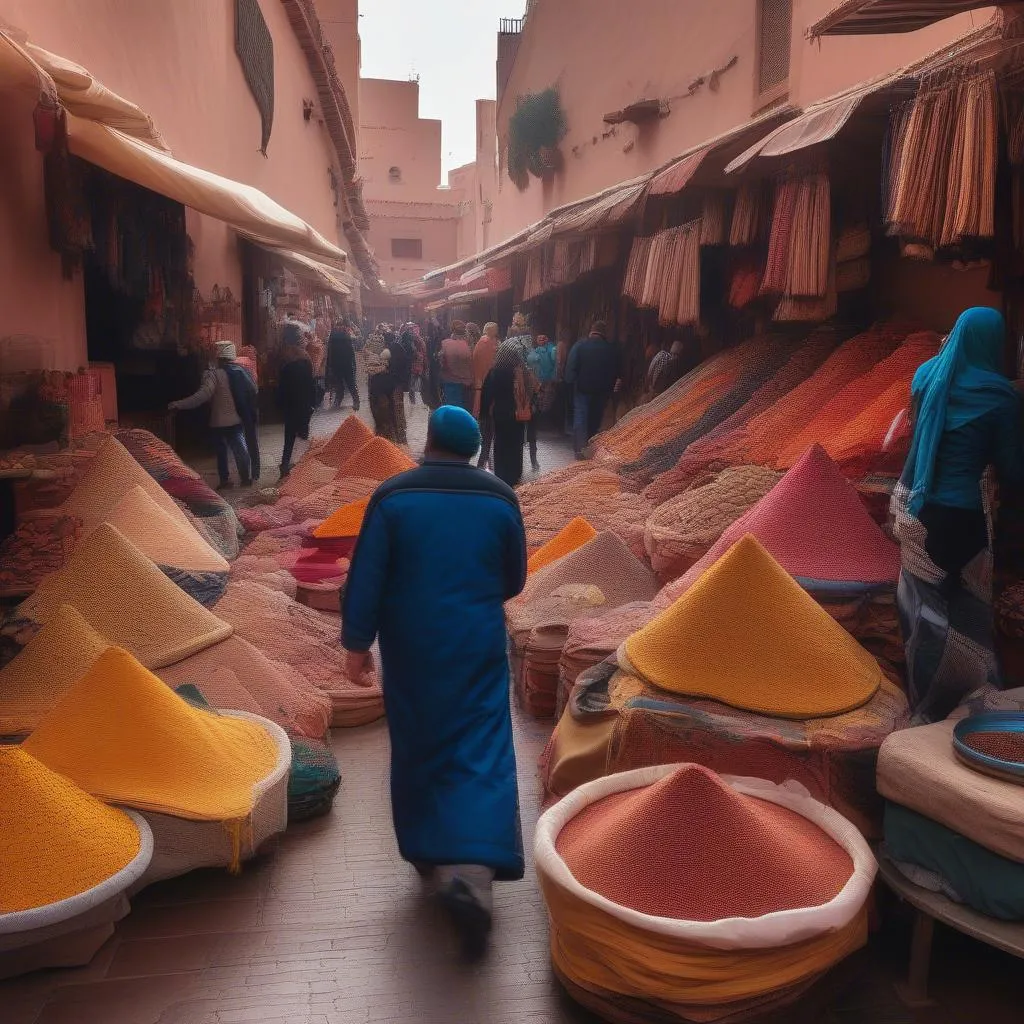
(55, 841)
(127, 738)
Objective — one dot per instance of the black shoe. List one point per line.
(471, 920)
(224, 485)
(285, 473)
(536, 465)
(246, 482)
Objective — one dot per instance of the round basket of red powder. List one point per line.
(992, 743)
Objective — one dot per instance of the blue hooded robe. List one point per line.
(441, 549)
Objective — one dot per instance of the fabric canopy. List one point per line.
(678, 174)
(245, 208)
(875, 17)
(115, 134)
(331, 278)
(819, 123)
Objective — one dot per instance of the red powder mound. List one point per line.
(816, 526)
(690, 847)
(1007, 746)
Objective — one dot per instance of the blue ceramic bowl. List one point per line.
(992, 721)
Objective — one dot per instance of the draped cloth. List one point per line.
(954, 388)
(441, 549)
(947, 623)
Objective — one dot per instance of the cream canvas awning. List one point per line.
(115, 134)
(329, 278)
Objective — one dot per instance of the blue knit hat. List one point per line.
(454, 430)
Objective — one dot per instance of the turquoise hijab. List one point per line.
(963, 382)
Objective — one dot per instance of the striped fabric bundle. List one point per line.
(688, 310)
(713, 216)
(533, 284)
(774, 282)
(810, 245)
(636, 268)
(942, 170)
(651, 290)
(749, 215)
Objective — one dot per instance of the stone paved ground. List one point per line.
(334, 929)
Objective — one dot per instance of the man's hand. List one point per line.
(358, 664)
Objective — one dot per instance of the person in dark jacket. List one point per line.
(594, 368)
(505, 405)
(403, 352)
(441, 550)
(341, 364)
(296, 392)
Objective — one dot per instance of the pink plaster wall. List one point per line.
(35, 299)
(834, 63)
(176, 59)
(605, 54)
(340, 22)
(463, 184)
(439, 236)
(486, 169)
(392, 134)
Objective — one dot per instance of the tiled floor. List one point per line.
(334, 929)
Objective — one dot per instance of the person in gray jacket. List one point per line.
(226, 424)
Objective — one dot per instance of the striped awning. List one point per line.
(678, 174)
(874, 17)
(595, 213)
(818, 123)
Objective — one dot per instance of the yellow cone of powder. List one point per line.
(127, 600)
(573, 535)
(126, 738)
(748, 635)
(55, 840)
(45, 669)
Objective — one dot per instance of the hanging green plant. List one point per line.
(534, 133)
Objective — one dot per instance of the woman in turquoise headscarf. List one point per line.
(966, 417)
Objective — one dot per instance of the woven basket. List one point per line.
(181, 845)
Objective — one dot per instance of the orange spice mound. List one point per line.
(378, 459)
(344, 442)
(575, 534)
(769, 431)
(124, 736)
(346, 522)
(746, 634)
(690, 847)
(835, 416)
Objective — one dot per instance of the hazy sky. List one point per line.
(451, 45)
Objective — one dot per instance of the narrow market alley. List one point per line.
(730, 631)
(332, 927)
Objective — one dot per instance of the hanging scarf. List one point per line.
(954, 388)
